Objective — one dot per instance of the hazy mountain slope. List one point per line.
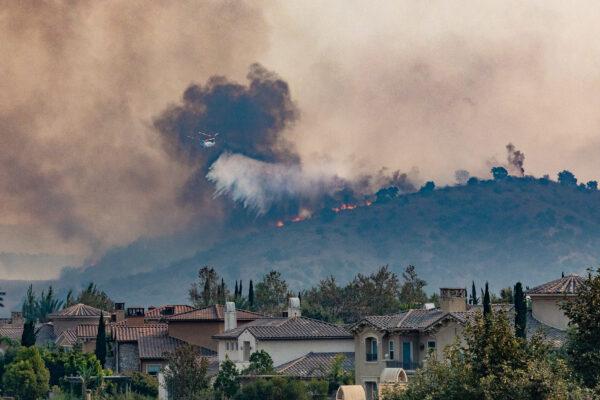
(519, 229)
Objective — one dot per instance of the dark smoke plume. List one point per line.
(252, 163)
(249, 119)
(516, 160)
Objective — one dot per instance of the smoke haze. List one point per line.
(92, 155)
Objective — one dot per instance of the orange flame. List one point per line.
(344, 207)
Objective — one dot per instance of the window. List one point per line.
(153, 369)
(227, 346)
(391, 349)
(236, 345)
(371, 390)
(371, 349)
(247, 351)
(431, 345)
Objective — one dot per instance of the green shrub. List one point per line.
(144, 384)
(26, 378)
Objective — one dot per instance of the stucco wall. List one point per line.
(368, 370)
(547, 310)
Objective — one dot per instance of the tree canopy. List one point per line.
(583, 345)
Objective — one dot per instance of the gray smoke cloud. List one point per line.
(516, 160)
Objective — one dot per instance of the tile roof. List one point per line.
(78, 310)
(314, 365)
(555, 337)
(297, 328)
(167, 311)
(90, 331)
(566, 285)
(157, 347)
(67, 338)
(11, 332)
(421, 319)
(215, 312)
(123, 333)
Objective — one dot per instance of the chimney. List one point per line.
(453, 299)
(294, 308)
(230, 316)
(16, 318)
(119, 312)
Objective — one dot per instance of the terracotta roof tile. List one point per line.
(167, 311)
(122, 333)
(11, 332)
(67, 338)
(78, 310)
(566, 285)
(297, 328)
(213, 313)
(90, 331)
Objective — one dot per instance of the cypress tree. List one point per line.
(474, 300)
(28, 336)
(487, 304)
(240, 293)
(235, 293)
(101, 341)
(251, 295)
(520, 312)
(222, 296)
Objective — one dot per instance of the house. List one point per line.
(77, 314)
(198, 326)
(386, 344)
(546, 314)
(284, 338)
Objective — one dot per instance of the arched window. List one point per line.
(371, 349)
(391, 349)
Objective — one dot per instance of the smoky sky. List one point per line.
(96, 95)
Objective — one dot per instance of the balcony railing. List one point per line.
(411, 366)
(371, 357)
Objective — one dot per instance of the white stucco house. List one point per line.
(284, 338)
(546, 313)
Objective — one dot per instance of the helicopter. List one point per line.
(206, 139)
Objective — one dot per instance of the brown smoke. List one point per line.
(81, 82)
